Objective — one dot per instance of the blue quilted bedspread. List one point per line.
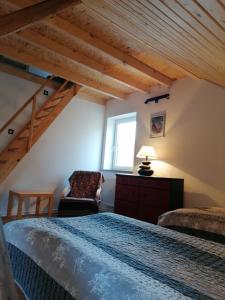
(111, 257)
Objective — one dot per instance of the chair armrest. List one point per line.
(65, 191)
(98, 195)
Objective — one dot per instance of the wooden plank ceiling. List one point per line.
(116, 47)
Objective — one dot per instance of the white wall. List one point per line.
(73, 141)
(194, 145)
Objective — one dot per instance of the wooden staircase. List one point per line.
(39, 121)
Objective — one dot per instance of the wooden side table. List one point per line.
(22, 195)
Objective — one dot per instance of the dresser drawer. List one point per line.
(127, 180)
(127, 193)
(126, 208)
(146, 198)
(156, 184)
(154, 197)
(150, 214)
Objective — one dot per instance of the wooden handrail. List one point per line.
(25, 105)
(32, 122)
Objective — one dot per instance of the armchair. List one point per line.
(83, 196)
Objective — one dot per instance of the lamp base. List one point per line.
(144, 172)
(145, 169)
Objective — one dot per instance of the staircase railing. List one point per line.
(34, 112)
(25, 104)
(33, 100)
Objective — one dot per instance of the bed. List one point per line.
(111, 257)
(204, 222)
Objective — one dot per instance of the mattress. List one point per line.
(112, 257)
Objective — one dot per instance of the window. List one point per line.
(124, 141)
(120, 142)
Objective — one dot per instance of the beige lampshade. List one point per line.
(147, 152)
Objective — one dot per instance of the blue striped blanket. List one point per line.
(112, 257)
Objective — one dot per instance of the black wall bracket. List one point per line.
(11, 131)
(157, 98)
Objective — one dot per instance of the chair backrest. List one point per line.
(84, 184)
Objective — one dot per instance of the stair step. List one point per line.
(41, 117)
(47, 108)
(35, 126)
(50, 107)
(57, 98)
(13, 149)
(65, 90)
(22, 137)
(69, 85)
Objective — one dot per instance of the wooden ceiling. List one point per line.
(116, 47)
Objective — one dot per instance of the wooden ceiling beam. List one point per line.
(83, 94)
(47, 43)
(59, 70)
(89, 38)
(22, 18)
(26, 75)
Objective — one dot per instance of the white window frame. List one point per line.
(109, 152)
(114, 154)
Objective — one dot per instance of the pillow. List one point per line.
(206, 219)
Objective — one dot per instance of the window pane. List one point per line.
(125, 140)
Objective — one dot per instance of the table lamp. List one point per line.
(146, 152)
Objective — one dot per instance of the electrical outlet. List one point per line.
(45, 92)
(10, 131)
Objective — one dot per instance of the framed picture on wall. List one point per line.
(157, 124)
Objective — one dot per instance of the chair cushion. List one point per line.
(70, 207)
(84, 184)
(72, 199)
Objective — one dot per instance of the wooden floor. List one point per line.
(106, 208)
(6, 219)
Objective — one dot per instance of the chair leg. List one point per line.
(10, 204)
(50, 205)
(20, 206)
(38, 206)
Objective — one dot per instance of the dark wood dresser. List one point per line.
(145, 198)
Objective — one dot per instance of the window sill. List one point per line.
(117, 171)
